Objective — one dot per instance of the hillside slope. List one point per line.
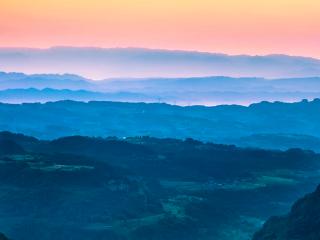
(215, 124)
(144, 188)
(302, 223)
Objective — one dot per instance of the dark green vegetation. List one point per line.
(302, 223)
(278, 141)
(144, 188)
(266, 125)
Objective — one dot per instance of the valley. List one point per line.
(110, 188)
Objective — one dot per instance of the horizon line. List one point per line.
(153, 49)
(154, 78)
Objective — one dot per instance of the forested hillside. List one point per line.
(277, 125)
(302, 223)
(144, 188)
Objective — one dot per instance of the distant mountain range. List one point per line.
(266, 125)
(20, 80)
(32, 95)
(99, 63)
(19, 87)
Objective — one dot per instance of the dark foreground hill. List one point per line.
(261, 125)
(144, 188)
(302, 223)
(3, 237)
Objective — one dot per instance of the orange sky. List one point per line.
(228, 26)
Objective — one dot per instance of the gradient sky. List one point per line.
(226, 26)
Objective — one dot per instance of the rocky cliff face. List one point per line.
(302, 223)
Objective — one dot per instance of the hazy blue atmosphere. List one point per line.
(98, 63)
(166, 145)
(210, 91)
(159, 120)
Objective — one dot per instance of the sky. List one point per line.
(255, 27)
